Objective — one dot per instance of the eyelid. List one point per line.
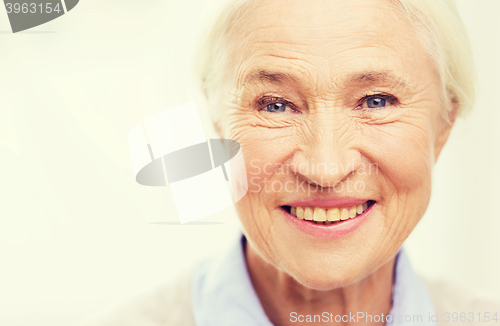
(266, 100)
(393, 100)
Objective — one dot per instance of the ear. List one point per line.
(445, 129)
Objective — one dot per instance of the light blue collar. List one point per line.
(223, 295)
(411, 300)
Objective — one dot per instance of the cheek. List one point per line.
(265, 152)
(261, 159)
(403, 153)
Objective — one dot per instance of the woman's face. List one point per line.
(335, 103)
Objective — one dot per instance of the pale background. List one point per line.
(75, 229)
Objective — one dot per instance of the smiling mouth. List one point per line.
(328, 216)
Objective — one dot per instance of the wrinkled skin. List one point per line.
(322, 59)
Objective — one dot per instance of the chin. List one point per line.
(326, 281)
(318, 273)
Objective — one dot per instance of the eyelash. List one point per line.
(265, 101)
(389, 98)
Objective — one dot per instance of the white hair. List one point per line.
(438, 25)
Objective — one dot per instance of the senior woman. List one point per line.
(341, 109)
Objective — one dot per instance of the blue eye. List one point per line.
(376, 102)
(276, 107)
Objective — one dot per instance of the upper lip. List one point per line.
(327, 202)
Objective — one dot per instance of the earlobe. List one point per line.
(445, 129)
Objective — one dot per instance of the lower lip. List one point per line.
(330, 231)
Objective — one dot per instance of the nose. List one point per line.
(327, 153)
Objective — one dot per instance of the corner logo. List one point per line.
(171, 145)
(26, 14)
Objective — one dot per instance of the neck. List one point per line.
(284, 299)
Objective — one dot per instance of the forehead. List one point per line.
(329, 39)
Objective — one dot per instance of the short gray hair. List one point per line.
(439, 28)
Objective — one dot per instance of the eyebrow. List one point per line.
(368, 78)
(265, 75)
(364, 78)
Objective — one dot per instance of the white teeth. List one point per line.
(308, 214)
(333, 214)
(328, 216)
(319, 214)
(300, 213)
(352, 212)
(344, 214)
